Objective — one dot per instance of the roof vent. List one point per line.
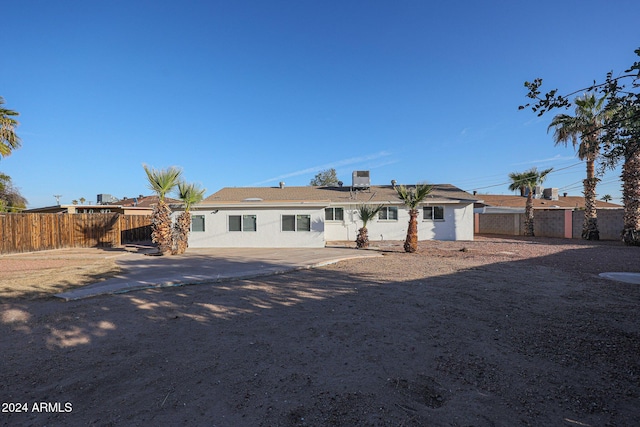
(281, 184)
(360, 179)
(340, 183)
(393, 183)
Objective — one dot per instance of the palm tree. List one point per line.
(412, 198)
(529, 180)
(631, 195)
(162, 182)
(585, 126)
(190, 194)
(367, 213)
(606, 198)
(9, 141)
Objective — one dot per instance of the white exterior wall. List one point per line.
(269, 232)
(457, 225)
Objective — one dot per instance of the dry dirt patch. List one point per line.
(43, 274)
(485, 333)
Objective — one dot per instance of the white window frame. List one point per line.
(295, 223)
(242, 223)
(333, 210)
(433, 210)
(386, 209)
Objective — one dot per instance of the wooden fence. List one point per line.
(28, 232)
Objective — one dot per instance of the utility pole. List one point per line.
(57, 196)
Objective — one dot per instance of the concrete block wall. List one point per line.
(551, 223)
(610, 223)
(501, 223)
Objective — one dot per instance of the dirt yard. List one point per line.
(495, 332)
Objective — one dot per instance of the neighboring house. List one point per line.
(141, 205)
(312, 216)
(492, 203)
(76, 209)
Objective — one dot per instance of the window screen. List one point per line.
(197, 223)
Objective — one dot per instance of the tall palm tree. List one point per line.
(412, 197)
(367, 213)
(606, 198)
(162, 182)
(529, 180)
(190, 194)
(584, 127)
(9, 141)
(631, 175)
(631, 195)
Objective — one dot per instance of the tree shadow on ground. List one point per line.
(455, 341)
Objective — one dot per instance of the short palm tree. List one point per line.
(162, 182)
(367, 213)
(606, 198)
(585, 127)
(529, 180)
(9, 141)
(412, 198)
(190, 194)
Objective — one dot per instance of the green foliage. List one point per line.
(9, 141)
(162, 181)
(528, 179)
(190, 194)
(413, 196)
(584, 127)
(10, 198)
(325, 178)
(367, 213)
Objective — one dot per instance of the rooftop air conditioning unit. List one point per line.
(550, 193)
(103, 199)
(361, 179)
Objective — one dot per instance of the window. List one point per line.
(334, 214)
(243, 223)
(433, 213)
(197, 223)
(296, 222)
(388, 213)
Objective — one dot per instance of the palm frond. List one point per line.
(368, 212)
(412, 197)
(162, 181)
(190, 194)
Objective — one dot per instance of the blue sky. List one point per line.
(244, 93)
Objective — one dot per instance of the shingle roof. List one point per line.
(566, 202)
(376, 194)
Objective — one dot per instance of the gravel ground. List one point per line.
(499, 331)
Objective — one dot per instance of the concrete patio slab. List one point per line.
(622, 277)
(199, 266)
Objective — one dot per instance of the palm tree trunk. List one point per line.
(411, 243)
(362, 241)
(528, 215)
(161, 233)
(590, 223)
(631, 198)
(181, 233)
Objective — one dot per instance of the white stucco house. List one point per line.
(285, 217)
